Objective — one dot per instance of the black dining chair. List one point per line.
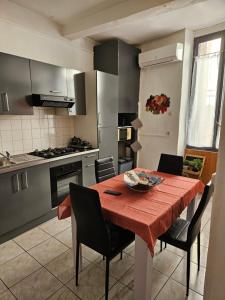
(93, 231)
(183, 233)
(104, 169)
(172, 164)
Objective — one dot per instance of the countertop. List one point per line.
(39, 160)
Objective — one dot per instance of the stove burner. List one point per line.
(54, 152)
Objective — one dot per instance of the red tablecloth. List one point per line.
(147, 214)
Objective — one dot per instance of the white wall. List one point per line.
(28, 34)
(215, 270)
(162, 133)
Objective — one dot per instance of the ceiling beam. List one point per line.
(127, 11)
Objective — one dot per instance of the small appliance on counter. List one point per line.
(79, 144)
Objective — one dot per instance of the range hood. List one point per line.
(52, 101)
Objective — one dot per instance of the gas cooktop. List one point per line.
(54, 152)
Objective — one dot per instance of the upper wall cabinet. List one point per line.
(48, 79)
(120, 58)
(15, 85)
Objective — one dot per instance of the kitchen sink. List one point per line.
(4, 163)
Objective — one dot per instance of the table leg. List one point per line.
(191, 209)
(74, 240)
(142, 270)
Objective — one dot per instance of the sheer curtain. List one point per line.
(203, 100)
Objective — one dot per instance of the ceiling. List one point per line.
(60, 11)
(194, 17)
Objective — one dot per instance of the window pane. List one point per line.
(203, 96)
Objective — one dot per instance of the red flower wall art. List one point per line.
(158, 104)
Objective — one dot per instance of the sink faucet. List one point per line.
(7, 155)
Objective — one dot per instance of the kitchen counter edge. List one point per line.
(41, 161)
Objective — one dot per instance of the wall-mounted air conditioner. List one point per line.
(163, 55)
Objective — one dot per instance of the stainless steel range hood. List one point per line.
(52, 101)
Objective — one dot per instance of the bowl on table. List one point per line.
(140, 181)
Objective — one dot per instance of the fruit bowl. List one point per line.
(140, 181)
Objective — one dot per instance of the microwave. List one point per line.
(124, 133)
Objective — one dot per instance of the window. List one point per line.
(206, 92)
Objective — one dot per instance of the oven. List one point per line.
(61, 176)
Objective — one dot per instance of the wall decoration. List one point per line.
(157, 104)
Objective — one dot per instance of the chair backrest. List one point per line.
(195, 224)
(91, 227)
(104, 169)
(172, 164)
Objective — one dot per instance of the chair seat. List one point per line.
(120, 239)
(177, 234)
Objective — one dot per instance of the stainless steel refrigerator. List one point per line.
(99, 126)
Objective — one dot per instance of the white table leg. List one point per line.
(142, 270)
(191, 209)
(74, 240)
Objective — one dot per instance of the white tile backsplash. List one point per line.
(44, 129)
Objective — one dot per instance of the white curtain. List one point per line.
(203, 100)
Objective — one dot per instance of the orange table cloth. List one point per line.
(148, 215)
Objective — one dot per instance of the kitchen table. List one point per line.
(148, 215)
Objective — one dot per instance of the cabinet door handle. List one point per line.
(99, 114)
(24, 181)
(99, 136)
(90, 165)
(56, 92)
(5, 101)
(89, 156)
(15, 183)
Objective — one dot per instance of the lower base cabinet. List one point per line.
(24, 196)
(88, 168)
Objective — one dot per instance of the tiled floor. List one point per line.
(39, 265)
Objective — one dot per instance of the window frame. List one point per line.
(221, 72)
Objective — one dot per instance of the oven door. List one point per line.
(60, 185)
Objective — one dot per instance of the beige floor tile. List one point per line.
(7, 295)
(55, 226)
(90, 254)
(203, 255)
(47, 251)
(166, 262)
(120, 292)
(37, 286)
(91, 283)
(158, 280)
(176, 291)
(8, 251)
(65, 237)
(196, 278)
(64, 294)
(130, 251)
(175, 250)
(32, 238)
(18, 268)
(3, 288)
(118, 267)
(63, 267)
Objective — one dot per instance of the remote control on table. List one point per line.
(114, 193)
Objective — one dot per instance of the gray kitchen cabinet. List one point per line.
(107, 143)
(25, 196)
(47, 79)
(15, 85)
(119, 58)
(88, 168)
